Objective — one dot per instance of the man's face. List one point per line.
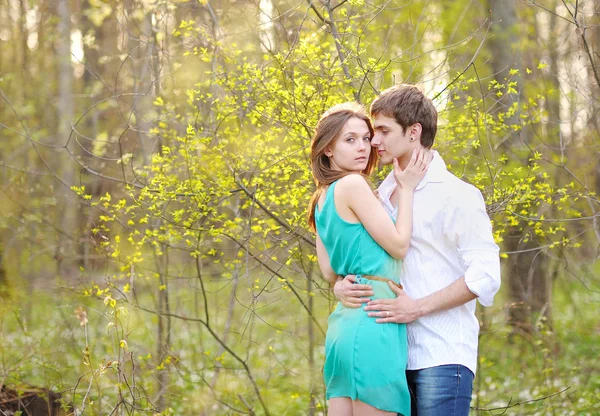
(391, 142)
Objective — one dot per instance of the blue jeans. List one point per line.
(440, 391)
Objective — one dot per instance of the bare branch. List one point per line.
(509, 405)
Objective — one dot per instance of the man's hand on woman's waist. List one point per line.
(405, 309)
(400, 310)
(350, 293)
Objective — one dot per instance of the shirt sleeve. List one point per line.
(469, 227)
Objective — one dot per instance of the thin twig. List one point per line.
(509, 405)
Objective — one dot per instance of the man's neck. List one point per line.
(403, 162)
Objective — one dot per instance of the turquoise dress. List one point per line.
(364, 360)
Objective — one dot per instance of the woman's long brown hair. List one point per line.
(328, 129)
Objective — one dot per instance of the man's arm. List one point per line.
(405, 309)
(469, 227)
(450, 297)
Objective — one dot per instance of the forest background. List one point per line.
(154, 252)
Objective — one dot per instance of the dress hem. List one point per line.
(366, 402)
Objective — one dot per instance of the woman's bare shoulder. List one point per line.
(354, 181)
(354, 187)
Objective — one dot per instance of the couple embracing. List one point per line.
(406, 265)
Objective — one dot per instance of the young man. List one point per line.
(452, 260)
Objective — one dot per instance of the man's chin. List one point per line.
(386, 160)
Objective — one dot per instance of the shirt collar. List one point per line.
(436, 172)
(385, 191)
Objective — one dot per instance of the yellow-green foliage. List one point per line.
(228, 193)
(209, 294)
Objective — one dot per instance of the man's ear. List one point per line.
(415, 131)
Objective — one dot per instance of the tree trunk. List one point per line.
(311, 342)
(164, 326)
(594, 67)
(526, 274)
(4, 289)
(146, 85)
(65, 261)
(23, 52)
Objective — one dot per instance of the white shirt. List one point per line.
(451, 238)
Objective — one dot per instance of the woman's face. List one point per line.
(351, 149)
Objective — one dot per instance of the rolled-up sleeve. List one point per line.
(470, 227)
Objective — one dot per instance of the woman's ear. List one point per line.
(328, 152)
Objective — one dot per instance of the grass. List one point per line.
(553, 371)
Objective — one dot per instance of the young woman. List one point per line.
(365, 361)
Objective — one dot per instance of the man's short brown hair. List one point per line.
(408, 105)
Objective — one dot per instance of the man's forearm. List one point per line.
(334, 281)
(450, 297)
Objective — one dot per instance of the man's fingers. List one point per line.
(419, 158)
(413, 157)
(358, 300)
(397, 170)
(423, 156)
(380, 305)
(359, 294)
(395, 288)
(426, 164)
(350, 278)
(426, 159)
(358, 287)
(380, 314)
